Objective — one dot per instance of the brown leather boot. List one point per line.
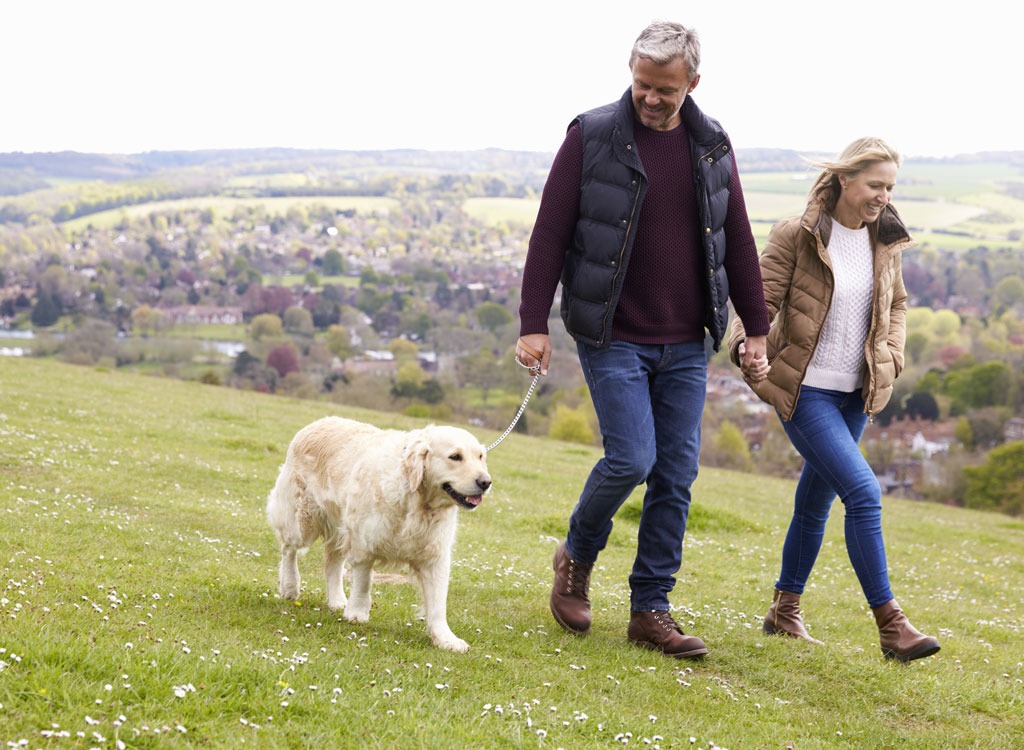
(900, 639)
(783, 617)
(657, 630)
(570, 602)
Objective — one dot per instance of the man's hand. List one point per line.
(533, 351)
(754, 358)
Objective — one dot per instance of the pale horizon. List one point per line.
(119, 77)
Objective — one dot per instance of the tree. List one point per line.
(284, 359)
(945, 323)
(339, 341)
(404, 351)
(571, 425)
(431, 391)
(1008, 292)
(409, 378)
(298, 320)
(964, 433)
(243, 362)
(492, 316)
(987, 426)
(147, 320)
(91, 342)
(998, 484)
(266, 326)
(46, 311)
(979, 385)
(917, 342)
(479, 370)
(921, 405)
(333, 263)
(730, 447)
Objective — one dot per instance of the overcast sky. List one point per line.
(124, 76)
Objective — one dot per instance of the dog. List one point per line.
(377, 496)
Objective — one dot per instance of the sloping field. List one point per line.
(138, 603)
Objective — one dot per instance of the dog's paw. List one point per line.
(450, 642)
(336, 605)
(289, 592)
(457, 644)
(356, 614)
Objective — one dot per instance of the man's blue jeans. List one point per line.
(825, 429)
(649, 401)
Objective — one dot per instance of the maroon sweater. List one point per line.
(663, 297)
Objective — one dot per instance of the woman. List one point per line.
(834, 287)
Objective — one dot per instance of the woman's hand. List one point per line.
(755, 367)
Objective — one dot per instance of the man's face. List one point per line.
(660, 90)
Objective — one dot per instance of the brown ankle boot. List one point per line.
(570, 602)
(900, 639)
(657, 630)
(783, 617)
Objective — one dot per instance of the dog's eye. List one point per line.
(455, 457)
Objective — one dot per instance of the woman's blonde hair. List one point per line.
(856, 157)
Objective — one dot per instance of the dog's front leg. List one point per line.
(334, 573)
(288, 573)
(358, 609)
(433, 581)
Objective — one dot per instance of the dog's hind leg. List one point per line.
(334, 572)
(358, 609)
(288, 573)
(282, 503)
(433, 582)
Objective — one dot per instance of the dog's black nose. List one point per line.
(483, 484)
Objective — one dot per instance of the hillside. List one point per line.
(390, 280)
(139, 602)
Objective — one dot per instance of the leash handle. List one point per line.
(534, 369)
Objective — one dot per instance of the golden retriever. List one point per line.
(377, 496)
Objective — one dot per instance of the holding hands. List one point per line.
(754, 358)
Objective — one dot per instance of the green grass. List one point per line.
(225, 206)
(138, 602)
(292, 280)
(502, 210)
(772, 196)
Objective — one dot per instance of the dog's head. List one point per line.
(448, 465)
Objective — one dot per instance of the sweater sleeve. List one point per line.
(741, 263)
(552, 235)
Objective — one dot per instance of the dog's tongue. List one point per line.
(474, 500)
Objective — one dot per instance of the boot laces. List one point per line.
(578, 579)
(665, 620)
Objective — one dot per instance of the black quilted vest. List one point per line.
(612, 191)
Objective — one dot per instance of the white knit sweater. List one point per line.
(838, 362)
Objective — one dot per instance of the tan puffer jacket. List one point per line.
(798, 283)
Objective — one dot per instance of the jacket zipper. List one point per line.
(618, 264)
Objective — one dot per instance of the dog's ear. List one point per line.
(414, 459)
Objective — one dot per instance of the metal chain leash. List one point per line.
(535, 371)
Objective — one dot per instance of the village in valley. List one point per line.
(406, 299)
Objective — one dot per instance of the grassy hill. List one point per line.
(138, 602)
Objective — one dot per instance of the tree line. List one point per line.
(322, 292)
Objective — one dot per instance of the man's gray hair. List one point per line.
(664, 41)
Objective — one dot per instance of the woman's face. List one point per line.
(865, 194)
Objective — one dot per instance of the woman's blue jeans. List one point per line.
(649, 401)
(826, 428)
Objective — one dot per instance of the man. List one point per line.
(643, 221)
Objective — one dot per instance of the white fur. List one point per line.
(375, 496)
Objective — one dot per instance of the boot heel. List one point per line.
(784, 618)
